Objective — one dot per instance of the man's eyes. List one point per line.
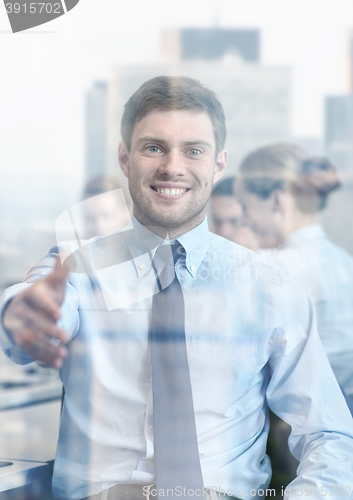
(153, 149)
(157, 150)
(236, 222)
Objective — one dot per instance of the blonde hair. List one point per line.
(288, 167)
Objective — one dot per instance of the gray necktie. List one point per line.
(176, 451)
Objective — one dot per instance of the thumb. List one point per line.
(57, 279)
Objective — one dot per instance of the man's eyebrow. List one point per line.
(195, 142)
(148, 138)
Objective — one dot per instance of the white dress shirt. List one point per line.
(325, 271)
(251, 339)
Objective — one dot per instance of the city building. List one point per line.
(211, 44)
(314, 146)
(96, 130)
(339, 131)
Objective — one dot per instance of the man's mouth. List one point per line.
(169, 191)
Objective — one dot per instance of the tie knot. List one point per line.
(177, 251)
(170, 254)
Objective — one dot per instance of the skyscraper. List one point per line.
(211, 44)
(96, 130)
(339, 130)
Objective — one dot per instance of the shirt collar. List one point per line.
(195, 243)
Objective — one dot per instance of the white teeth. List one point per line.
(170, 192)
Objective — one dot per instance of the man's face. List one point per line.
(104, 214)
(260, 215)
(171, 168)
(228, 221)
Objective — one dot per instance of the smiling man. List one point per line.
(172, 153)
(171, 174)
(167, 391)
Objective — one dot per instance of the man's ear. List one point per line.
(123, 156)
(220, 166)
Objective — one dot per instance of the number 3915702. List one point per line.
(33, 8)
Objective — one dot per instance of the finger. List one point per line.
(38, 323)
(43, 352)
(57, 350)
(56, 281)
(58, 276)
(37, 299)
(21, 309)
(39, 348)
(22, 318)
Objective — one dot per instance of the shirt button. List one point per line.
(142, 267)
(152, 429)
(193, 268)
(150, 463)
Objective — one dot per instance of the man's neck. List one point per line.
(297, 221)
(168, 232)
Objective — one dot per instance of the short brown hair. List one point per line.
(286, 166)
(173, 93)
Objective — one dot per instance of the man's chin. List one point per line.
(168, 222)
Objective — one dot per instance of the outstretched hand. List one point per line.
(32, 315)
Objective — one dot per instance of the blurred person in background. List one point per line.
(227, 215)
(282, 191)
(105, 214)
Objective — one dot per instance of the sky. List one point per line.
(44, 72)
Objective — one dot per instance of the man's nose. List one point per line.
(246, 219)
(172, 164)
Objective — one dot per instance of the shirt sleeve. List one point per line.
(69, 310)
(303, 391)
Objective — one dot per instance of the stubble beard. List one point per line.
(160, 222)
